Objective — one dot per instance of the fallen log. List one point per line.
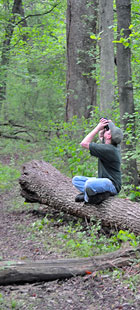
(19, 272)
(43, 183)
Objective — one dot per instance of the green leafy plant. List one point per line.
(4, 304)
(1, 298)
(126, 236)
(40, 224)
(135, 194)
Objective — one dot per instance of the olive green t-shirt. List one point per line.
(109, 162)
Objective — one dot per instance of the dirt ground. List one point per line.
(99, 292)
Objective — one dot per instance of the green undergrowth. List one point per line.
(60, 146)
(92, 242)
(78, 239)
(8, 176)
(12, 304)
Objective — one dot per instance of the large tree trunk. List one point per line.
(41, 182)
(126, 91)
(81, 58)
(106, 57)
(49, 270)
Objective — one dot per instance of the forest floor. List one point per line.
(21, 240)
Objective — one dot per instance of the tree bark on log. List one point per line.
(43, 183)
(18, 272)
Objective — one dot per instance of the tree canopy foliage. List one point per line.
(35, 79)
(36, 57)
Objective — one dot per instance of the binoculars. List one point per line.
(106, 127)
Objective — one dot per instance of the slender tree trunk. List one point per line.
(126, 91)
(17, 9)
(81, 58)
(106, 56)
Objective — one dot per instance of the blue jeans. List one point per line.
(96, 185)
